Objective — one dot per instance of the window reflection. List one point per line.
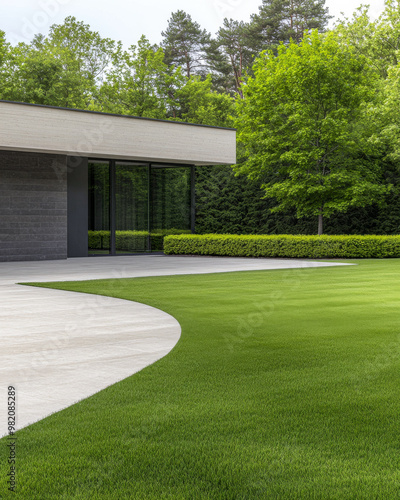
(149, 202)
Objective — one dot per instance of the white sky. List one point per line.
(127, 20)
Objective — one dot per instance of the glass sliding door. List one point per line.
(99, 208)
(170, 202)
(131, 207)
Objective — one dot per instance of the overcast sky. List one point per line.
(127, 20)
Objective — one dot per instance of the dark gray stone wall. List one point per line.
(33, 206)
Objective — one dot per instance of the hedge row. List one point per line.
(131, 241)
(287, 246)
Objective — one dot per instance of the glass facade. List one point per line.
(132, 206)
(170, 195)
(99, 208)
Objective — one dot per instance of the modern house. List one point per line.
(76, 183)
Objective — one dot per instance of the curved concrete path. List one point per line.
(59, 347)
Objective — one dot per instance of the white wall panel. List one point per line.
(25, 127)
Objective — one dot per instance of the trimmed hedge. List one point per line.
(287, 246)
(131, 241)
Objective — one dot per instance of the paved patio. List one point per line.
(59, 347)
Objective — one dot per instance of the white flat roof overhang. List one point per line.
(47, 129)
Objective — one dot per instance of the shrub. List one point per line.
(286, 246)
(131, 241)
(99, 240)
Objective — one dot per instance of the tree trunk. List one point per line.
(320, 223)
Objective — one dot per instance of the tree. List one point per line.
(198, 103)
(185, 44)
(301, 124)
(6, 69)
(140, 83)
(4, 47)
(40, 77)
(282, 20)
(75, 44)
(220, 69)
(236, 42)
(64, 68)
(378, 40)
(386, 114)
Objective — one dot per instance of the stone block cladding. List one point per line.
(33, 206)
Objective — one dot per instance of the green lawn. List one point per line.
(284, 385)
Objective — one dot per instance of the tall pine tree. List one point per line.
(185, 44)
(281, 20)
(237, 44)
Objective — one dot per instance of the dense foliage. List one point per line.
(317, 115)
(130, 241)
(284, 246)
(302, 124)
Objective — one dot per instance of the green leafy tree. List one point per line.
(378, 40)
(301, 125)
(87, 53)
(199, 103)
(141, 84)
(39, 76)
(3, 47)
(6, 69)
(185, 44)
(64, 68)
(386, 114)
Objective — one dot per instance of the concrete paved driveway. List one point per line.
(60, 347)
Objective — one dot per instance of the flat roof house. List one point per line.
(76, 183)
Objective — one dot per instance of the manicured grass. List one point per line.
(284, 385)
